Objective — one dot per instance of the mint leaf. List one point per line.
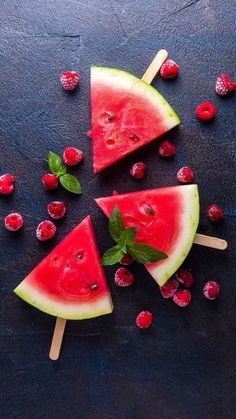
(115, 226)
(144, 253)
(127, 236)
(112, 256)
(70, 183)
(55, 164)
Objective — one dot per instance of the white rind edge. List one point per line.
(190, 221)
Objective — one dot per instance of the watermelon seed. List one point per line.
(80, 255)
(110, 141)
(149, 209)
(93, 287)
(134, 138)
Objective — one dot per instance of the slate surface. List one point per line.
(184, 366)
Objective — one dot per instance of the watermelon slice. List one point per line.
(70, 282)
(127, 113)
(166, 219)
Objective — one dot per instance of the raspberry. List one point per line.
(182, 298)
(167, 149)
(56, 209)
(50, 181)
(123, 277)
(138, 170)
(14, 221)
(72, 156)
(46, 230)
(6, 184)
(215, 213)
(206, 111)
(144, 319)
(169, 69)
(126, 260)
(184, 277)
(185, 175)
(211, 290)
(224, 85)
(170, 288)
(69, 80)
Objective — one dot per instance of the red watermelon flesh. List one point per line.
(165, 218)
(127, 113)
(70, 282)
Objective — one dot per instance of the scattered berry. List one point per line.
(206, 111)
(182, 298)
(50, 181)
(56, 209)
(185, 175)
(211, 290)
(6, 184)
(126, 260)
(144, 319)
(69, 80)
(138, 170)
(215, 213)
(224, 85)
(46, 230)
(170, 288)
(167, 149)
(169, 69)
(184, 277)
(14, 221)
(123, 277)
(72, 156)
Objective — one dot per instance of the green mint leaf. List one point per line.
(112, 256)
(115, 226)
(127, 236)
(55, 164)
(70, 183)
(144, 253)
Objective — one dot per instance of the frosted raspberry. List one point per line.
(72, 156)
(50, 181)
(123, 277)
(206, 111)
(215, 213)
(144, 319)
(169, 69)
(46, 230)
(185, 175)
(224, 85)
(184, 277)
(126, 260)
(14, 221)
(170, 288)
(211, 290)
(69, 80)
(167, 149)
(6, 184)
(56, 209)
(138, 170)
(182, 298)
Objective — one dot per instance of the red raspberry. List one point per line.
(46, 230)
(182, 298)
(123, 277)
(6, 184)
(14, 221)
(215, 213)
(206, 111)
(167, 149)
(211, 290)
(50, 181)
(126, 260)
(69, 80)
(169, 69)
(72, 156)
(224, 85)
(138, 170)
(185, 175)
(170, 288)
(184, 277)
(56, 209)
(144, 319)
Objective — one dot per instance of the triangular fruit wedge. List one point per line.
(127, 113)
(70, 282)
(166, 219)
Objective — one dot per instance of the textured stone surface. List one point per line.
(184, 366)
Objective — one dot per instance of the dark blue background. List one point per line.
(184, 366)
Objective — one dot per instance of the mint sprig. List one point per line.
(68, 181)
(125, 239)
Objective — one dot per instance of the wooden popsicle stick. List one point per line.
(210, 241)
(57, 339)
(155, 66)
